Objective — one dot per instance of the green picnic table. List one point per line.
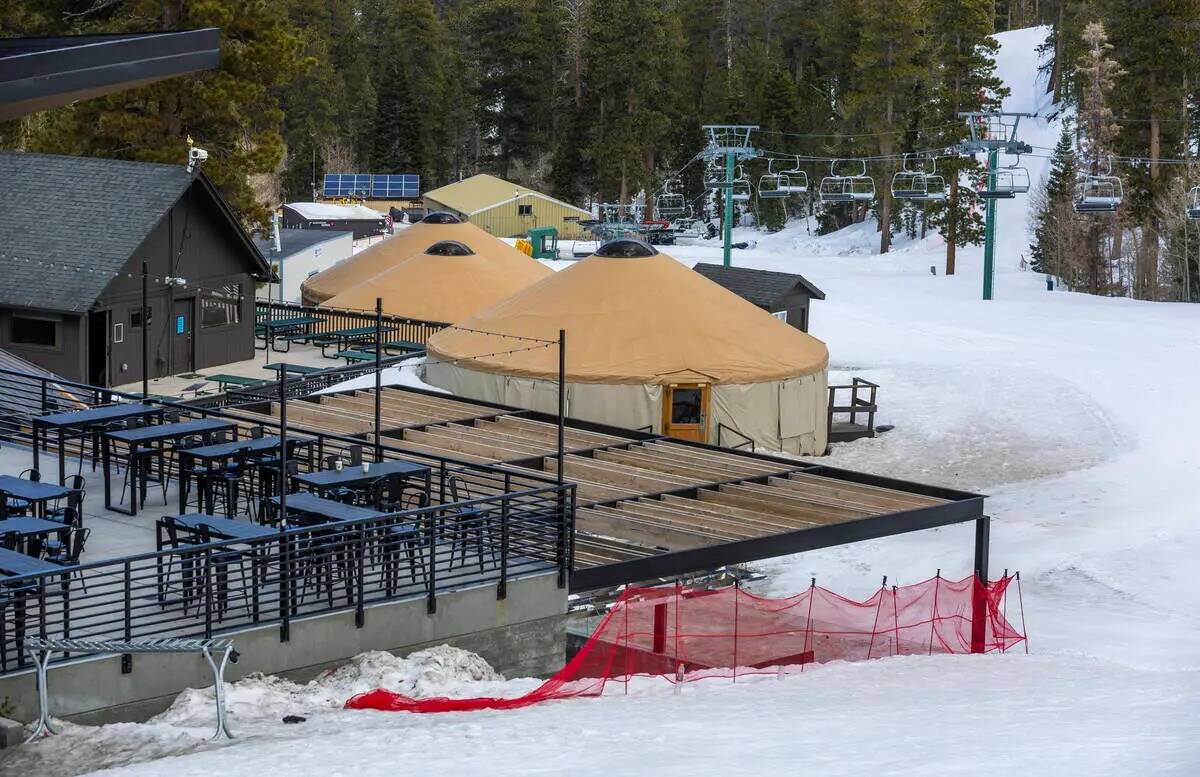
(284, 330)
(225, 381)
(342, 338)
(293, 369)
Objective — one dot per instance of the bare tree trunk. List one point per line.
(1148, 267)
(952, 224)
(1056, 72)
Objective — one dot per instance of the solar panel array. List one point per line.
(364, 185)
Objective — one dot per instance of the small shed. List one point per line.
(358, 219)
(506, 209)
(782, 294)
(302, 253)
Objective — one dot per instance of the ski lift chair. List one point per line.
(847, 188)
(1193, 209)
(796, 180)
(1009, 182)
(935, 189)
(772, 185)
(1098, 194)
(740, 189)
(909, 185)
(670, 204)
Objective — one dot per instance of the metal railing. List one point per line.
(205, 589)
(503, 521)
(413, 330)
(858, 404)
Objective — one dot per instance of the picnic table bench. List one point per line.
(293, 369)
(356, 356)
(224, 381)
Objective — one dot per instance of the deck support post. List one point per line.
(983, 529)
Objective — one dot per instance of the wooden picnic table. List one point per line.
(293, 369)
(61, 423)
(224, 381)
(147, 436)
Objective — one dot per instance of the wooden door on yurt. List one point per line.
(685, 411)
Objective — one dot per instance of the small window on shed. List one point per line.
(35, 331)
(221, 306)
(524, 210)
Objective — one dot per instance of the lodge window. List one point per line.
(222, 306)
(135, 318)
(685, 406)
(524, 210)
(34, 331)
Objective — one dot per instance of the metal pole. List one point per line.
(727, 219)
(562, 398)
(285, 578)
(145, 331)
(378, 377)
(979, 589)
(989, 229)
(564, 531)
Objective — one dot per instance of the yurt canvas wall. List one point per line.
(640, 329)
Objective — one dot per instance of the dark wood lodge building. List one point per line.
(784, 295)
(73, 234)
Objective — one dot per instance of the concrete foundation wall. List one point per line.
(521, 636)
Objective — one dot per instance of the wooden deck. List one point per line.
(635, 497)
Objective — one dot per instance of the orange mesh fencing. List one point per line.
(685, 634)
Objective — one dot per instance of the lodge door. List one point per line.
(685, 411)
(182, 340)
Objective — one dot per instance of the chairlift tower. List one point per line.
(731, 142)
(993, 132)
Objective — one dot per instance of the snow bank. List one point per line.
(406, 373)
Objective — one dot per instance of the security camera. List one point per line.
(196, 157)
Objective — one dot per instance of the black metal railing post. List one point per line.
(127, 659)
(502, 585)
(360, 615)
(208, 593)
(431, 604)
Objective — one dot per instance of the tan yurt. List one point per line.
(447, 282)
(651, 345)
(406, 243)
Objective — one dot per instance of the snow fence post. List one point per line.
(878, 607)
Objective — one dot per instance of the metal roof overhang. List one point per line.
(37, 74)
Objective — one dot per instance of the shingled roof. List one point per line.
(82, 211)
(762, 287)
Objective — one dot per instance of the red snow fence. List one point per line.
(684, 634)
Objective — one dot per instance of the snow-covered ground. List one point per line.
(1077, 415)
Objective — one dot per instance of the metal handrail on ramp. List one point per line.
(42, 648)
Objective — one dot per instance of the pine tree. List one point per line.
(964, 80)
(411, 129)
(631, 55)
(890, 61)
(1053, 220)
(1157, 43)
(231, 112)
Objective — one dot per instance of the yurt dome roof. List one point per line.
(626, 248)
(652, 321)
(406, 243)
(447, 282)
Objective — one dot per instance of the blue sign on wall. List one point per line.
(178, 325)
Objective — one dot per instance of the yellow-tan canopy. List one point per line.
(388, 253)
(445, 288)
(641, 320)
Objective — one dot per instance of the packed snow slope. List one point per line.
(1077, 415)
